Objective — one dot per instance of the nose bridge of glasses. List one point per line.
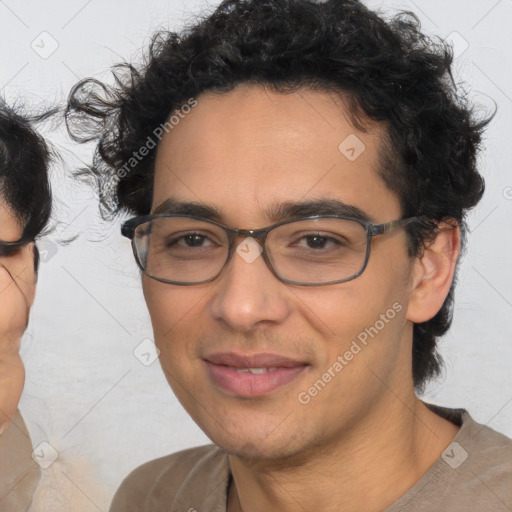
(258, 234)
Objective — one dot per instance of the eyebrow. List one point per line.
(176, 207)
(323, 206)
(276, 212)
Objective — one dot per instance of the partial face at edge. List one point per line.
(10, 228)
(17, 287)
(243, 152)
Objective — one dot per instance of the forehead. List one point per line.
(243, 150)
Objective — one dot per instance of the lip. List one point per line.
(259, 360)
(223, 371)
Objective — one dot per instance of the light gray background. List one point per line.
(86, 393)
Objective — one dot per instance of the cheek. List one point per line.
(10, 229)
(363, 318)
(174, 312)
(361, 343)
(342, 311)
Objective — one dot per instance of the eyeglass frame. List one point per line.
(260, 235)
(9, 248)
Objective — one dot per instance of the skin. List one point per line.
(365, 438)
(17, 290)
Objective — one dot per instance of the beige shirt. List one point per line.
(473, 474)
(19, 474)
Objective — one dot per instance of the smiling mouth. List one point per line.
(254, 371)
(252, 376)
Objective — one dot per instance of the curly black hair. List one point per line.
(387, 70)
(24, 184)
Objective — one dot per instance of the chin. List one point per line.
(251, 450)
(249, 442)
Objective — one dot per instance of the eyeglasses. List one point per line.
(311, 251)
(9, 248)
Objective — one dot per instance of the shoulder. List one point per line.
(19, 473)
(476, 469)
(165, 477)
(489, 457)
(473, 473)
(481, 445)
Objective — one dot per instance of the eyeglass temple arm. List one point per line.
(127, 230)
(17, 243)
(128, 227)
(391, 226)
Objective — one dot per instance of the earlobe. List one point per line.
(433, 273)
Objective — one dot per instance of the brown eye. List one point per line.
(192, 240)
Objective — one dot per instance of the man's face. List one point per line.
(244, 152)
(17, 287)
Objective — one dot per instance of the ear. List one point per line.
(433, 272)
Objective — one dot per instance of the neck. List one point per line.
(367, 468)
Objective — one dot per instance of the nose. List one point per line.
(248, 293)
